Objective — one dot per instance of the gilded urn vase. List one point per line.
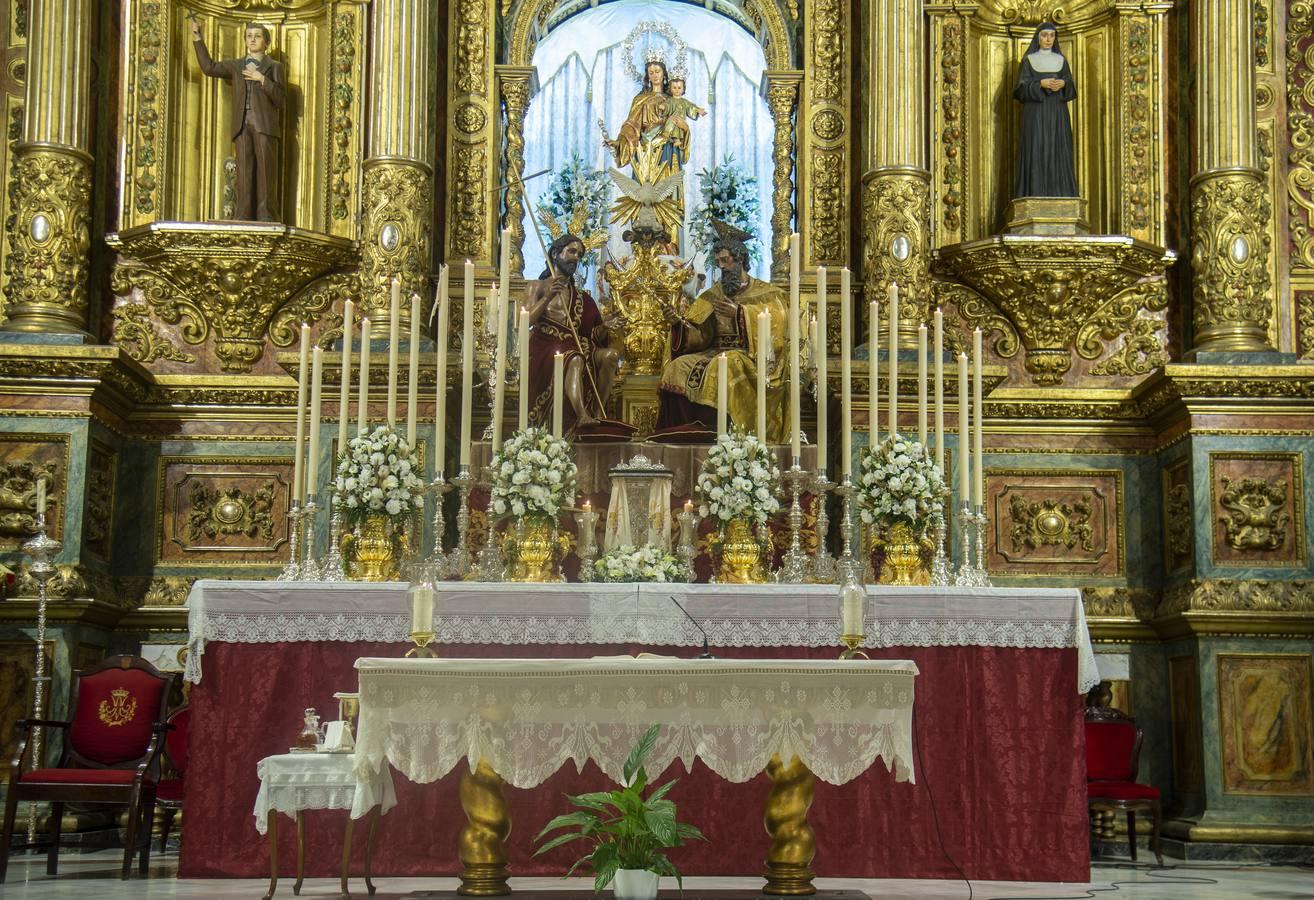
(741, 554)
(372, 551)
(535, 549)
(903, 557)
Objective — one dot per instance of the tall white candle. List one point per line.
(921, 384)
(978, 459)
(467, 363)
(363, 405)
(964, 436)
(795, 376)
(316, 399)
(763, 344)
(819, 350)
(721, 394)
(302, 383)
(440, 376)
(413, 382)
(522, 344)
(558, 386)
(394, 324)
(504, 265)
(344, 392)
(894, 358)
(41, 496)
(846, 373)
(939, 390)
(874, 373)
(422, 610)
(500, 342)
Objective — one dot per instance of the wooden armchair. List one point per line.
(111, 754)
(1113, 751)
(169, 792)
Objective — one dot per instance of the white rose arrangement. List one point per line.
(898, 481)
(379, 474)
(533, 474)
(630, 564)
(739, 480)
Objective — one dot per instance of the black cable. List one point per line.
(935, 816)
(1114, 886)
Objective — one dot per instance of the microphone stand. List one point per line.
(707, 653)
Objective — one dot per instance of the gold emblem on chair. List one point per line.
(119, 709)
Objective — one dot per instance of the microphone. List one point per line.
(706, 654)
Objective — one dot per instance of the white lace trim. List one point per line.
(294, 782)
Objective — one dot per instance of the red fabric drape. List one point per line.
(1000, 734)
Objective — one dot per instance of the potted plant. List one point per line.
(629, 832)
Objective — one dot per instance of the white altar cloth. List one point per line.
(528, 717)
(294, 782)
(739, 615)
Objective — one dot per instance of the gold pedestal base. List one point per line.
(788, 869)
(638, 402)
(481, 846)
(1047, 215)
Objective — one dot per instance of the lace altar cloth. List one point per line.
(733, 615)
(291, 782)
(528, 718)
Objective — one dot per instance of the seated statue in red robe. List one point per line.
(564, 319)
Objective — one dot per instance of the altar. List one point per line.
(997, 732)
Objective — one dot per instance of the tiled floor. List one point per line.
(95, 875)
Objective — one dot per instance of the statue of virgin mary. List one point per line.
(1045, 88)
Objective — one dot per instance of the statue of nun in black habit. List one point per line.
(1044, 88)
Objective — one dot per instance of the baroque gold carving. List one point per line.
(18, 498)
(896, 207)
(645, 293)
(829, 206)
(1127, 322)
(1231, 287)
(516, 89)
(826, 171)
(313, 304)
(469, 201)
(230, 511)
(1118, 602)
(98, 509)
(49, 241)
(136, 333)
(782, 94)
(471, 43)
(396, 194)
(1178, 524)
(1300, 131)
(148, 91)
(1139, 129)
(1255, 516)
(342, 169)
(225, 279)
(1051, 523)
(827, 51)
(952, 176)
(1220, 595)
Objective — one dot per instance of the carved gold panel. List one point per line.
(98, 508)
(1257, 508)
(23, 459)
(1178, 518)
(1265, 731)
(17, 668)
(1184, 698)
(1055, 522)
(229, 510)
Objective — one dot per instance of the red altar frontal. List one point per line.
(999, 753)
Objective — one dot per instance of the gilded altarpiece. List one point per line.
(12, 79)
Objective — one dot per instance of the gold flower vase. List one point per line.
(536, 547)
(741, 554)
(903, 557)
(372, 554)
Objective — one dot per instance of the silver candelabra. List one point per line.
(309, 567)
(439, 565)
(794, 564)
(292, 571)
(42, 549)
(458, 562)
(848, 568)
(333, 569)
(823, 565)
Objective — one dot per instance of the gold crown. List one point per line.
(120, 695)
(578, 219)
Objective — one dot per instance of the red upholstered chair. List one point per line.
(169, 792)
(1113, 750)
(111, 754)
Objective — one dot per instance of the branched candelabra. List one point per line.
(940, 574)
(309, 567)
(966, 576)
(848, 568)
(794, 564)
(823, 565)
(980, 573)
(333, 568)
(439, 565)
(459, 561)
(292, 571)
(492, 562)
(42, 549)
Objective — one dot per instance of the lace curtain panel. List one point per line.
(750, 615)
(528, 718)
(291, 782)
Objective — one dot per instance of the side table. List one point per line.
(292, 783)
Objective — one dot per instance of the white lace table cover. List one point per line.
(739, 615)
(291, 782)
(527, 718)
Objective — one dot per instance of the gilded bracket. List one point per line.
(1232, 288)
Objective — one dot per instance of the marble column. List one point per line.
(1232, 290)
(50, 241)
(397, 194)
(896, 188)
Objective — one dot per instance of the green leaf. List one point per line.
(662, 825)
(579, 818)
(686, 832)
(604, 868)
(598, 800)
(661, 791)
(579, 862)
(640, 753)
(558, 841)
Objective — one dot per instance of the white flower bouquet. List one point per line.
(898, 481)
(379, 475)
(739, 480)
(629, 564)
(533, 474)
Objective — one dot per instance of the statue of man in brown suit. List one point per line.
(258, 89)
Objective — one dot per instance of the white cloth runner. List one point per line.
(290, 782)
(750, 615)
(528, 718)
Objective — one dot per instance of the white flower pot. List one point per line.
(635, 884)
